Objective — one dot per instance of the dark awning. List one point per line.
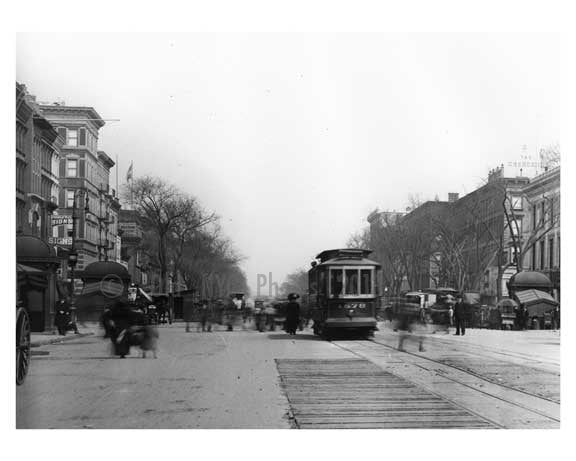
(27, 269)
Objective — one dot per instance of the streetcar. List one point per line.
(342, 292)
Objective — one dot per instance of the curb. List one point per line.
(45, 342)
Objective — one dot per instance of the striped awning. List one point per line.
(527, 297)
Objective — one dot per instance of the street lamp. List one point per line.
(73, 254)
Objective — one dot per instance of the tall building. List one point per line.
(88, 206)
(37, 156)
(542, 226)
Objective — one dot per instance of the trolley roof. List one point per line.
(347, 256)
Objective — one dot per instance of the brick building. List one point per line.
(88, 206)
(37, 156)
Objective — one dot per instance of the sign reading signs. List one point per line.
(60, 240)
(58, 220)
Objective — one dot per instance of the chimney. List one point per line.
(453, 197)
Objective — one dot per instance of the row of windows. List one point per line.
(545, 254)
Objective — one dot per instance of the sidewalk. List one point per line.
(43, 338)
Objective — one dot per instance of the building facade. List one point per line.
(37, 156)
(542, 227)
(88, 206)
(486, 219)
(477, 242)
(140, 266)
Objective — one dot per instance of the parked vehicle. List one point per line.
(507, 313)
(22, 343)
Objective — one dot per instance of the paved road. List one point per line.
(246, 379)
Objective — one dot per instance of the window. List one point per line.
(542, 211)
(533, 251)
(69, 199)
(542, 250)
(516, 202)
(72, 168)
(322, 282)
(351, 281)
(82, 141)
(551, 253)
(365, 281)
(534, 217)
(336, 282)
(72, 139)
(62, 133)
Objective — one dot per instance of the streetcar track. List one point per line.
(480, 348)
(470, 373)
(443, 375)
(496, 423)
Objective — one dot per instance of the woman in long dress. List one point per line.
(292, 314)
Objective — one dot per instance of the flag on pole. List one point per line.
(129, 173)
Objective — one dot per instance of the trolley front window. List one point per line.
(365, 281)
(352, 281)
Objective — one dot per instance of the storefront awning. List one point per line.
(27, 269)
(528, 297)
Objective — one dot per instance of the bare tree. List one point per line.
(296, 282)
(360, 239)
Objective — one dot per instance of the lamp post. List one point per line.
(73, 254)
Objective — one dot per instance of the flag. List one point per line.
(129, 173)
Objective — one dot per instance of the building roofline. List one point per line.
(93, 115)
(103, 156)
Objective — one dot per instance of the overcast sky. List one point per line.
(294, 139)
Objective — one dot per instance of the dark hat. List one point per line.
(293, 296)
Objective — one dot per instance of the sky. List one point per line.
(293, 139)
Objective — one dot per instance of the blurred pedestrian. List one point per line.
(410, 326)
(204, 316)
(63, 319)
(451, 315)
(292, 314)
(460, 316)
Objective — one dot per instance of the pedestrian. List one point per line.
(292, 314)
(460, 316)
(451, 315)
(121, 318)
(204, 314)
(63, 319)
(556, 318)
(410, 325)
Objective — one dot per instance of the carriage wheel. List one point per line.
(22, 344)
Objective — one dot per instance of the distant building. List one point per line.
(424, 257)
(489, 247)
(88, 206)
(140, 267)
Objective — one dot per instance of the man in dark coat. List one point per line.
(120, 318)
(63, 318)
(292, 314)
(460, 316)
